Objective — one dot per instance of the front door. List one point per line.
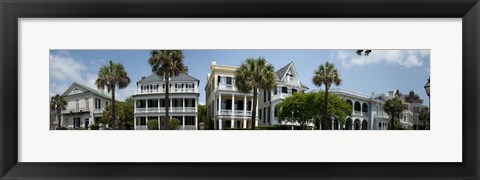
(86, 122)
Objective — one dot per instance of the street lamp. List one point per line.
(427, 90)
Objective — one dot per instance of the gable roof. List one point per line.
(281, 72)
(87, 89)
(156, 78)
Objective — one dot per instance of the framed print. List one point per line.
(249, 90)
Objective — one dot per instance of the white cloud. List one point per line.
(64, 70)
(402, 58)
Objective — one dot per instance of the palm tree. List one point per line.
(166, 63)
(326, 75)
(252, 75)
(57, 104)
(112, 76)
(393, 107)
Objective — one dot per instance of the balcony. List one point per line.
(76, 110)
(172, 90)
(280, 96)
(228, 112)
(163, 109)
(382, 115)
(228, 87)
(360, 113)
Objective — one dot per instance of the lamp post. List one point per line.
(427, 90)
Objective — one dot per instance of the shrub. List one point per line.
(274, 127)
(94, 127)
(152, 124)
(173, 124)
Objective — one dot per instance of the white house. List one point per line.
(228, 107)
(150, 101)
(288, 83)
(85, 106)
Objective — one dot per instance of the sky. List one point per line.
(380, 72)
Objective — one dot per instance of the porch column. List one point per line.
(233, 105)
(196, 104)
(333, 123)
(244, 106)
(170, 110)
(232, 123)
(135, 123)
(244, 123)
(158, 118)
(146, 122)
(183, 122)
(146, 105)
(219, 124)
(219, 104)
(158, 106)
(196, 123)
(134, 106)
(183, 104)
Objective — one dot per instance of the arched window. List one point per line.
(348, 125)
(364, 107)
(357, 106)
(350, 102)
(357, 124)
(364, 125)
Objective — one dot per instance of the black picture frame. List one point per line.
(10, 11)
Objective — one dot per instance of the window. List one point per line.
(260, 113)
(106, 103)
(87, 103)
(76, 122)
(275, 91)
(379, 125)
(294, 91)
(77, 105)
(285, 90)
(229, 80)
(275, 111)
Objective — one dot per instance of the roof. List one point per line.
(156, 78)
(88, 89)
(281, 72)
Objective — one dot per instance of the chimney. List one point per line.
(185, 70)
(390, 93)
(143, 77)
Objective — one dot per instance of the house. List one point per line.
(150, 102)
(85, 106)
(229, 108)
(287, 83)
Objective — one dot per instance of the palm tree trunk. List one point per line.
(254, 109)
(167, 100)
(59, 117)
(113, 107)
(324, 123)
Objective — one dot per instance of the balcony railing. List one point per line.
(382, 115)
(228, 112)
(280, 96)
(163, 109)
(172, 90)
(230, 87)
(360, 113)
(74, 110)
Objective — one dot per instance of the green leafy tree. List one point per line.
(125, 111)
(166, 63)
(327, 75)
(112, 76)
(252, 75)
(202, 116)
(57, 104)
(393, 107)
(174, 123)
(425, 117)
(303, 108)
(153, 124)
